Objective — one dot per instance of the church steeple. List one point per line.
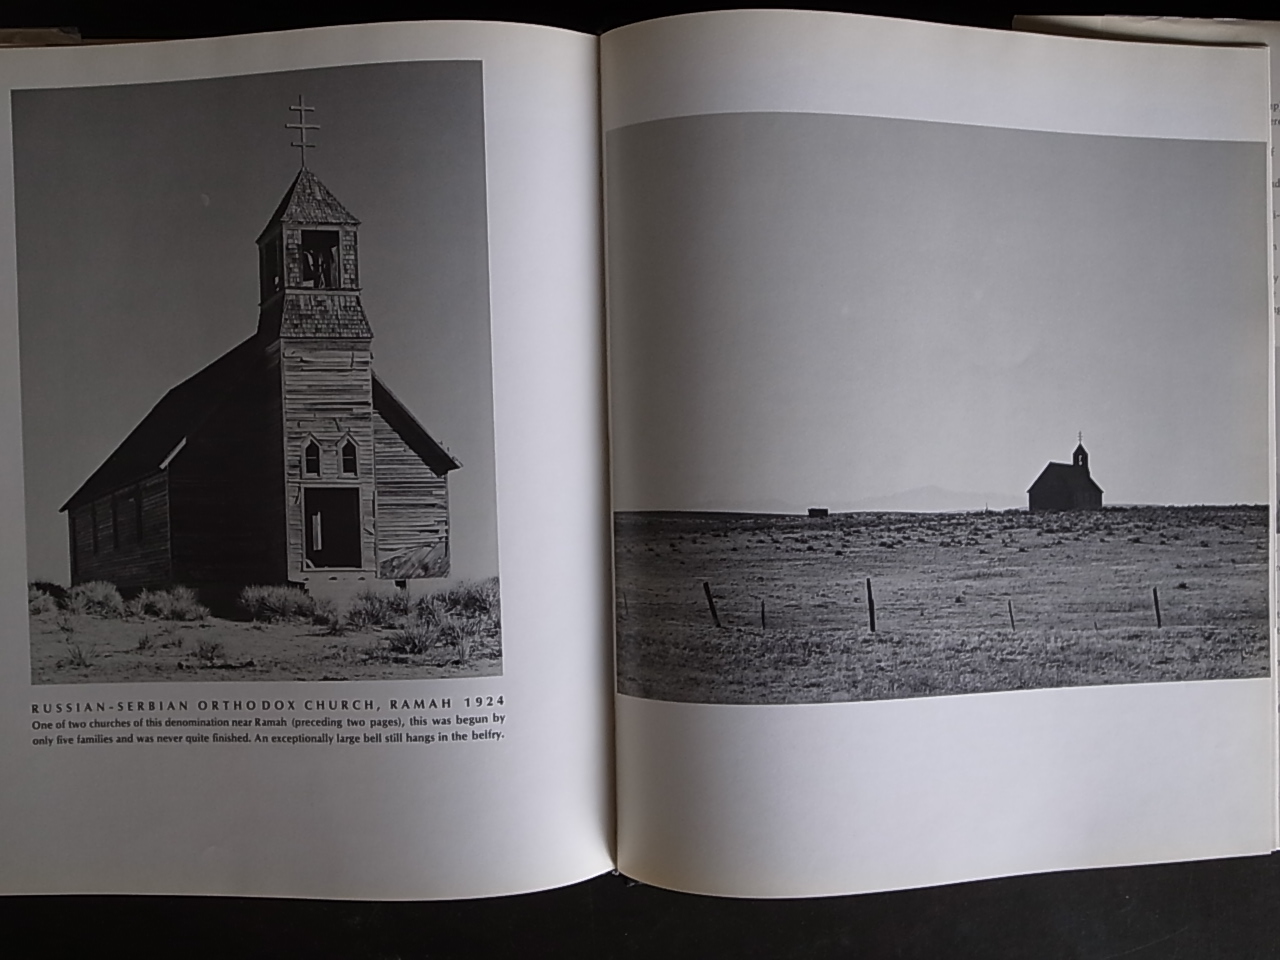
(1080, 457)
(308, 264)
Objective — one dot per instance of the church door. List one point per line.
(332, 518)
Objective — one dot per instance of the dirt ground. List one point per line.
(1077, 585)
(98, 650)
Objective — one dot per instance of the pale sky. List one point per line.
(821, 309)
(137, 211)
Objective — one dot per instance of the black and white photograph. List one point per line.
(257, 390)
(904, 408)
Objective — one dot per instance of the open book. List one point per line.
(769, 454)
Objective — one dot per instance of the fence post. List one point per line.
(871, 606)
(1012, 626)
(1155, 596)
(711, 603)
(762, 620)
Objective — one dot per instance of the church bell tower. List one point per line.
(1080, 457)
(311, 317)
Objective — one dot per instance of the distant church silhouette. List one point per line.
(1066, 486)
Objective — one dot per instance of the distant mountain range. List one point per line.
(937, 500)
(929, 499)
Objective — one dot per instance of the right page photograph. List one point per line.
(939, 368)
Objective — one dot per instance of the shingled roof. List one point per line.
(328, 316)
(162, 431)
(308, 201)
(184, 409)
(1060, 476)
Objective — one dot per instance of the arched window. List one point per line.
(349, 458)
(311, 459)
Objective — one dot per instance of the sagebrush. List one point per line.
(40, 602)
(274, 603)
(98, 598)
(177, 603)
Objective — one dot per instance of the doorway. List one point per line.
(332, 526)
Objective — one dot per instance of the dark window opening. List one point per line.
(75, 547)
(115, 523)
(271, 267)
(93, 526)
(319, 253)
(311, 459)
(332, 526)
(137, 514)
(349, 458)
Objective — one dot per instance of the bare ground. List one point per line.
(1080, 587)
(87, 649)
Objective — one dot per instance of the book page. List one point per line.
(939, 400)
(294, 604)
(1185, 30)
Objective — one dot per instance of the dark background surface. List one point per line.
(1215, 909)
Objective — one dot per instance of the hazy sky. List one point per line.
(820, 309)
(137, 211)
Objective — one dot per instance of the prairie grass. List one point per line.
(281, 633)
(1078, 587)
(77, 656)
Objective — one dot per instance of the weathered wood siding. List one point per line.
(227, 489)
(327, 390)
(126, 554)
(413, 503)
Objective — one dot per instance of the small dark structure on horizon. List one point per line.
(1066, 486)
(285, 460)
(819, 512)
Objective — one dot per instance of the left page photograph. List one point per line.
(286, 610)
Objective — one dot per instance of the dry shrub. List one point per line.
(414, 637)
(184, 605)
(370, 609)
(98, 598)
(475, 600)
(373, 608)
(179, 603)
(476, 603)
(55, 590)
(327, 615)
(419, 635)
(210, 651)
(274, 603)
(40, 602)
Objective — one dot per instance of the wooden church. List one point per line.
(1066, 486)
(286, 459)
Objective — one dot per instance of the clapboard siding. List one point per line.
(413, 502)
(223, 452)
(127, 555)
(327, 388)
(227, 489)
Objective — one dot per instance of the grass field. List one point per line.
(1079, 586)
(373, 638)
